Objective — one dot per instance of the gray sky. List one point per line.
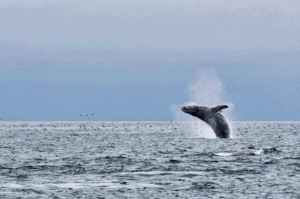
(137, 60)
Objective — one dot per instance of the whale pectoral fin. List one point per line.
(218, 108)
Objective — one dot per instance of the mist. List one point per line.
(206, 89)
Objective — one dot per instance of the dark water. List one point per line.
(146, 160)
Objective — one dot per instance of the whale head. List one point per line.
(196, 111)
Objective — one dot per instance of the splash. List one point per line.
(205, 90)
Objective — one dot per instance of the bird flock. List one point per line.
(85, 115)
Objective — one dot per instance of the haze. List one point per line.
(133, 60)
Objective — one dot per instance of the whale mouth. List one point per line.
(184, 109)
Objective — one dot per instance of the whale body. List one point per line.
(250, 151)
(211, 116)
(245, 152)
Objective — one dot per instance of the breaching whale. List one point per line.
(212, 117)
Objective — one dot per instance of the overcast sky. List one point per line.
(139, 60)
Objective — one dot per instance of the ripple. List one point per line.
(146, 160)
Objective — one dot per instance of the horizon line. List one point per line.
(140, 121)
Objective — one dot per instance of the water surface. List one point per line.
(147, 160)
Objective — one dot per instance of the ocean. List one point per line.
(147, 160)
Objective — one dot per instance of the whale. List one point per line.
(249, 151)
(212, 116)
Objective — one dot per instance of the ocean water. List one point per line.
(147, 160)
